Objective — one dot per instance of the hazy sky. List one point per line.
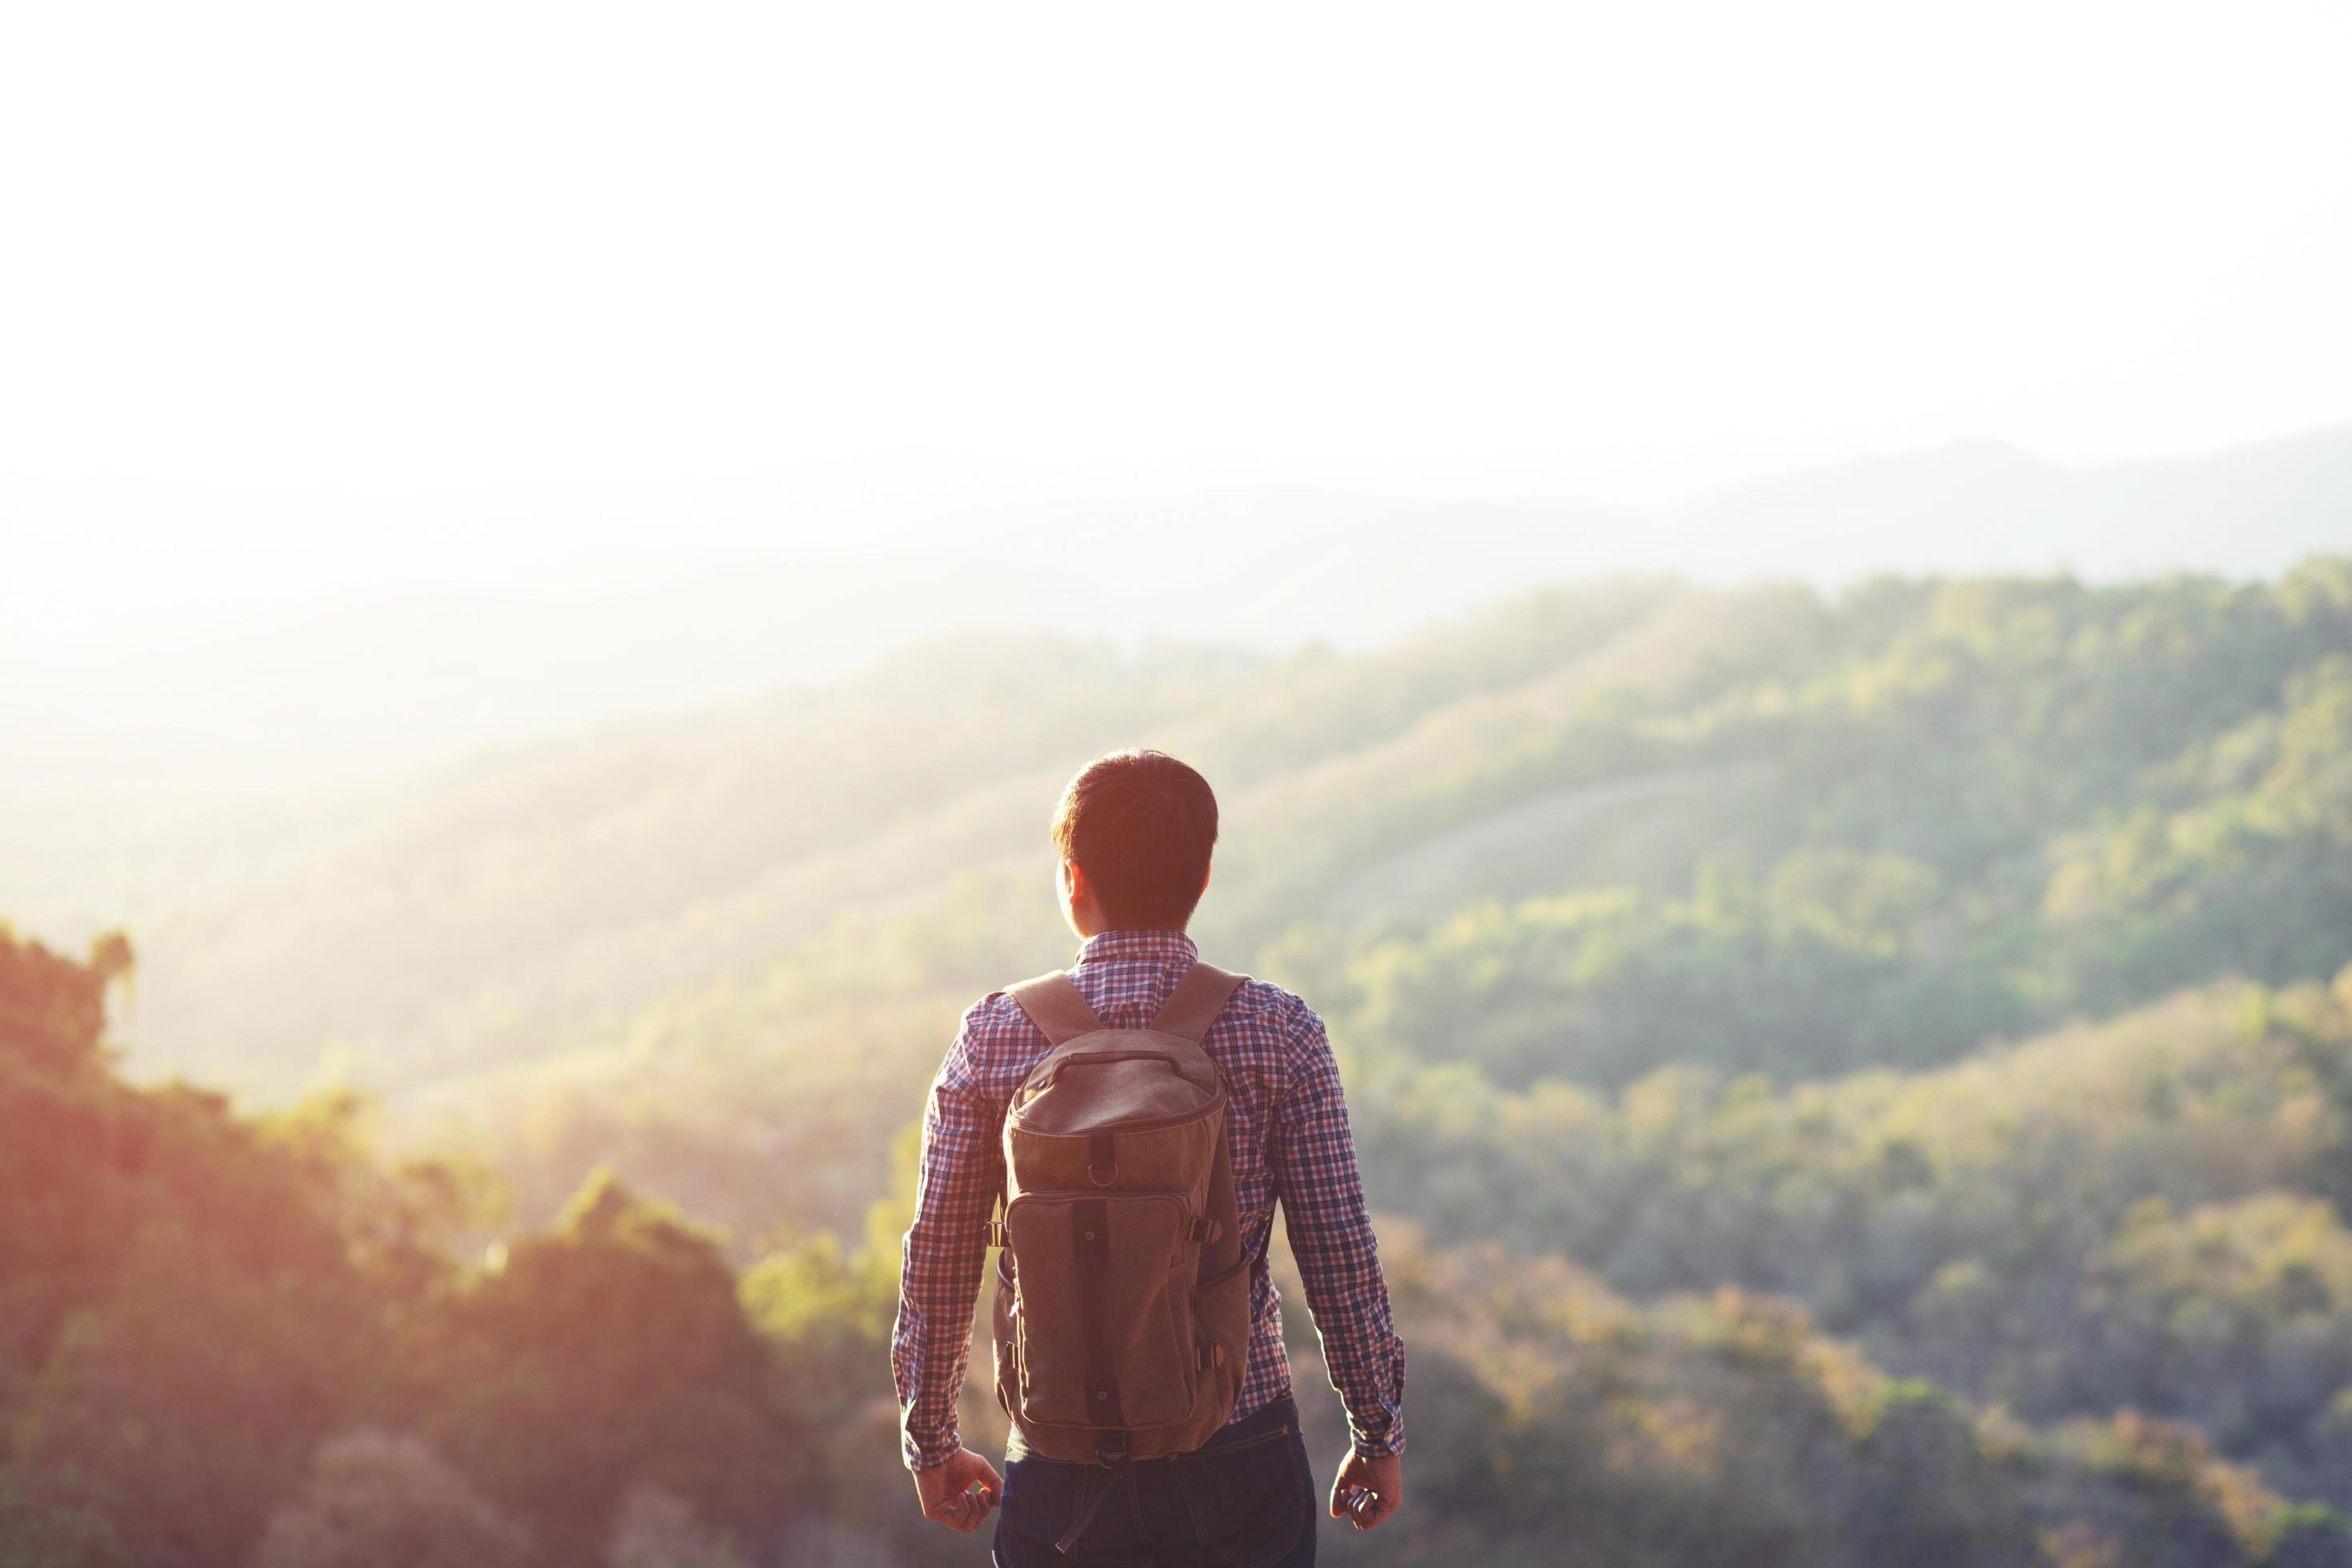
(448, 248)
(316, 300)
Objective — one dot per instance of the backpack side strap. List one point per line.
(1195, 1003)
(1054, 1004)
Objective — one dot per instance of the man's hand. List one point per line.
(945, 1492)
(1368, 1491)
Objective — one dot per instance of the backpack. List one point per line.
(1121, 1318)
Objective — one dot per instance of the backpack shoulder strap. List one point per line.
(1195, 1003)
(1054, 1004)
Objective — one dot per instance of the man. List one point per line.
(1134, 832)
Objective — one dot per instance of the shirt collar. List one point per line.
(1113, 946)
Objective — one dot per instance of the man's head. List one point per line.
(1135, 829)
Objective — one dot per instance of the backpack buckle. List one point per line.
(1102, 1160)
(1102, 1176)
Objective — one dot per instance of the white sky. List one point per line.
(434, 249)
(325, 296)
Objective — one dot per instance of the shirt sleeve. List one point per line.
(1312, 1157)
(942, 1255)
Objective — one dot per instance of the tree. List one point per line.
(608, 1353)
(383, 1499)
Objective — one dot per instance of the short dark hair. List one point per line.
(1141, 825)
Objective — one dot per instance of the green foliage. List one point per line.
(183, 1319)
(186, 1400)
(41, 1528)
(2239, 863)
(2103, 1218)
(197, 1300)
(607, 1352)
(1575, 1428)
(53, 1009)
(807, 1294)
(375, 1500)
(658, 1529)
(1601, 987)
(2308, 1535)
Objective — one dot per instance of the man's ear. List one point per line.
(1206, 875)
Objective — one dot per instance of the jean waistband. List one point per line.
(1271, 1416)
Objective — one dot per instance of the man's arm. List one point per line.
(941, 1261)
(1312, 1157)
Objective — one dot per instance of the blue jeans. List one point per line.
(1246, 1500)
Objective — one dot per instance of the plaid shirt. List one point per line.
(1286, 1126)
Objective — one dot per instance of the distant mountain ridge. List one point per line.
(1969, 509)
(651, 612)
(2254, 509)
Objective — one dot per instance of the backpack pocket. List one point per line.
(1105, 1337)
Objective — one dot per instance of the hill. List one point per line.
(2003, 750)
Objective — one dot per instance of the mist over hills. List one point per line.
(183, 742)
(379, 643)
(1356, 568)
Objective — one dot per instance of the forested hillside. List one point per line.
(237, 1340)
(1850, 1080)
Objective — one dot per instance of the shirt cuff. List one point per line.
(1380, 1447)
(927, 1456)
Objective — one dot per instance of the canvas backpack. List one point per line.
(1122, 1312)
